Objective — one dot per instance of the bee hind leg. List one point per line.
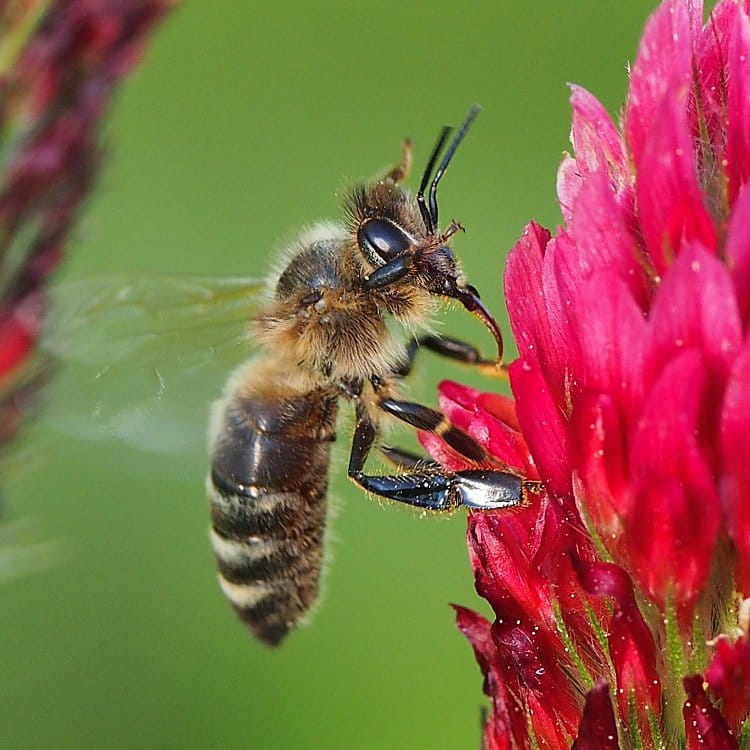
(434, 489)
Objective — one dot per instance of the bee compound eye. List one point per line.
(381, 240)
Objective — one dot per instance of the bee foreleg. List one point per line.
(451, 348)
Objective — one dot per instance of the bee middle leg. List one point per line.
(431, 488)
(451, 348)
(431, 420)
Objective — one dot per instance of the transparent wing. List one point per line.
(140, 358)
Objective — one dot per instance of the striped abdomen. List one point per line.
(268, 482)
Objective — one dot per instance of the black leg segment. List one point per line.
(445, 346)
(425, 418)
(434, 489)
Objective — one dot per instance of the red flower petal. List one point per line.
(504, 443)
(501, 407)
(458, 403)
(441, 452)
(671, 544)
(542, 425)
(711, 53)
(523, 290)
(664, 59)
(503, 548)
(576, 607)
(472, 401)
(506, 727)
(604, 315)
(463, 395)
(728, 675)
(597, 730)
(534, 304)
(552, 707)
(695, 306)
(705, 727)
(735, 467)
(737, 252)
(568, 185)
(600, 227)
(477, 629)
(598, 148)
(598, 145)
(663, 523)
(670, 201)
(16, 342)
(631, 644)
(738, 106)
(600, 455)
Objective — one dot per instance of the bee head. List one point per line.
(400, 250)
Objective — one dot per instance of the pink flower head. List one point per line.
(632, 406)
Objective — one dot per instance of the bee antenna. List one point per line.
(429, 224)
(473, 112)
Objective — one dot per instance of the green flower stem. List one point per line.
(586, 679)
(677, 668)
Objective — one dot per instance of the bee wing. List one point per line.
(140, 358)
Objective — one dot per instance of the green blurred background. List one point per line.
(243, 124)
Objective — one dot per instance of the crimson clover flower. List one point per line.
(60, 63)
(618, 596)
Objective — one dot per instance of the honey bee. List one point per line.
(333, 325)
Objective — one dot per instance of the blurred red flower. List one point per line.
(632, 405)
(70, 55)
(60, 63)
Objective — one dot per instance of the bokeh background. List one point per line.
(244, 124)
